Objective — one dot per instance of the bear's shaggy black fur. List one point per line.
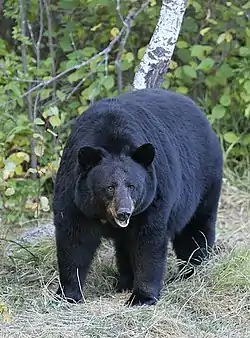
(143, 168)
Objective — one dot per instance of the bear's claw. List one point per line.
(139, 299)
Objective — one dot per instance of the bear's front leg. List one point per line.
(124, 265)
(149, 261)
(76, 245)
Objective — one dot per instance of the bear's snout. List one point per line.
(123, 214)
(121, 211)
(122, 217)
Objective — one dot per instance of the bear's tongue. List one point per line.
(122, 224)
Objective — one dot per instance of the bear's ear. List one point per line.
(89, 157)
(144, 154)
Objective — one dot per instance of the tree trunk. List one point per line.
(155, 61)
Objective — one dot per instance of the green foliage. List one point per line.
(211, 64)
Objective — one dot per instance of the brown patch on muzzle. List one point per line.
(112, 208)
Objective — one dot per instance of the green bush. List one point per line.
(212, 64)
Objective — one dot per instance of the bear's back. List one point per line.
(152, 111)
(172, 122)
(188, 153)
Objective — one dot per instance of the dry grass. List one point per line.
(213, 303)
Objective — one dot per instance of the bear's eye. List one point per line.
(131, 187)
(110, 189)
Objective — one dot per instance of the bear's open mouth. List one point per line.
(122, 224)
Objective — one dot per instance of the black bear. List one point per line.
(143, 168)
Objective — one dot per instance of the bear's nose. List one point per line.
(123, 216)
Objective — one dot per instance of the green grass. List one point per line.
(215, 302)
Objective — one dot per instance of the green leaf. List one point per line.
(225, 100)
(206, 64)
(210, 20)
(15, 89)
(247, 111)
(19, 170)
(182, 44)
(141, 52)
(61, 96)
(45, 93)
(108, 82)
(198, 51)
(125, 65)
(190, 25)
(178, 73)
(53, 111)
(82, 109)
(247, 5)
(114, 32)
(172, 65)
(96, 27)
(55, 121)
(205, 31)
(218, 112)
(247, 86)
(19, 157)
(221, 38)
(9, 191)
(92, 91)
(225, 71)
(96, 65)
(182, 90)
(89, 51)
(196, 6)
(230, 137)
(65, 44)
(39, 150)
(189, 71)
(129, 57)
(244, 51)
(184, 55)
(44, 203)
(245, 140)
(38, 136)
(77, 75)
(166, 83)
(39, 122)
(244, 96)
(2, 48)
(101, 68)
(74, 104)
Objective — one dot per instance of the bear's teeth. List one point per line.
(122, 224)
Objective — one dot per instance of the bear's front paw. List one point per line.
(68, 295)
(124, 284)
(138, 298)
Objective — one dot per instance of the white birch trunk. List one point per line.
(154, 64)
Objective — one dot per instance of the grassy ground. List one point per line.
(215, 302)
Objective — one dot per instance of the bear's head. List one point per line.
(113, 188)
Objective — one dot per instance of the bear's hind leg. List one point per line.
(193, 245)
